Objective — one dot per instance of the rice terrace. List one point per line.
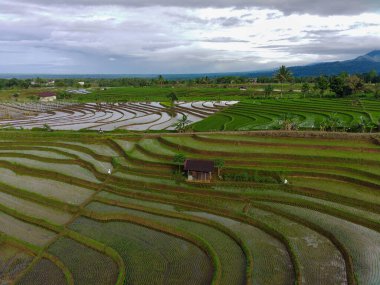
(189, 142)
(66, 220)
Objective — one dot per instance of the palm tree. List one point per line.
(283, 75)
(179, 159)
(181, 124)
(160, 80)
(305, 89)
(219, 164)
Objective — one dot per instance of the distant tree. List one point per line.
(355, 84)
(160, 80)
(372, 75)
(181, 124)
(172, 97)
(343, 85)
(322, 84)
(283, 75)
(179, 160)
(219, 164)
(338, 86)
(305, 89)
(268, 89)
(377, 91)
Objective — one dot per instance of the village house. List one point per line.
(47, 96)
(199, 170)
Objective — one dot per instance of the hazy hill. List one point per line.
(361, 64)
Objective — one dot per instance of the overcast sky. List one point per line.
(180, 36)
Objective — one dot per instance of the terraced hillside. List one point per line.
(108, 117)
(65, 220)
(308, 113)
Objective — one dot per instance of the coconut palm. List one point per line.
(181, 124)
(283, 75)
(179, 159)
(219, 164)
(160, 80)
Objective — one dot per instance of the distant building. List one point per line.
(47, 96)
(81, 83)
(243, 88)
(199, 170)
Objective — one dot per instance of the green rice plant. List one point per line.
(228, 251)
(360, 241)
(150, 256)
(87, 265)
(314, 251)
(44, 272)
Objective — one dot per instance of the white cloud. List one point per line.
(157, 39)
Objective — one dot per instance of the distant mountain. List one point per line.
(361, 64)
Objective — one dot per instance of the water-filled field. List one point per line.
(287, 208)
(106, 117)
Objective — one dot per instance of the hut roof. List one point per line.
(199, 165)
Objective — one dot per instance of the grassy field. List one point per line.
(307, 113)
(65, 220)
(139, 94)
(159, 93)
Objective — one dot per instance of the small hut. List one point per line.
(47, 96)
(199, 170)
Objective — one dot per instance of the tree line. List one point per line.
(342, 85)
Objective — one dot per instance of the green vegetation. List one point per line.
(286, 208)
(361, 115)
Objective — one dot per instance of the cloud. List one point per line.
(136, 37)
(224, 40)
(320, 7)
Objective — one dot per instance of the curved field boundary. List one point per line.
(164, 213)
(196, 240)
(37, 198)
(269, 144)
(38, 253)
(297, 165)
(47, 144)
(294, 201)
(334, 240)
(63, 231)
(23, 170)
(226, 154)
(225, 213)
(107, 116)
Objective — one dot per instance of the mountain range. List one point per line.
(361, 64)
